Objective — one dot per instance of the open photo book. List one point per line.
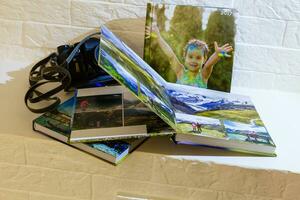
(197, 115)
(113, 112)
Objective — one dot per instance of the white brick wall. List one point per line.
(268, 36)
(44, 169)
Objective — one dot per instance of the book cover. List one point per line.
(109, 113)
(56, 124)
(209, 117)
(191, 45)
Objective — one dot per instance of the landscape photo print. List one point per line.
(217, 114)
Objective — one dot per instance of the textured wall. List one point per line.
(39, 169)
(268, 39)
(35, 167)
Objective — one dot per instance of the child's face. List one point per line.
(194, 59)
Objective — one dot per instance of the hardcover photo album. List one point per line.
(197, 115)
(113, 112)
(191, 45)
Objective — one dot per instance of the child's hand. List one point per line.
(223, 50)
(147, 32)
(151, 31)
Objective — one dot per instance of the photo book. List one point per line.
(191, 45)
(113, 112)
(56, 124)
(197, 115)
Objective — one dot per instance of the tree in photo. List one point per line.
(220, 28)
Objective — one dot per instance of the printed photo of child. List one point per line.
(185, 56)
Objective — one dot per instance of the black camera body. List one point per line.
(83, 66)
(72, 66)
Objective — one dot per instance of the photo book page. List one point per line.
(192, 111)
(113, 112)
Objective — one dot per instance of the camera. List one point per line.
(83, 67)
(72, 66)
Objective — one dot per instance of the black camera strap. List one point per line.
(47, 71)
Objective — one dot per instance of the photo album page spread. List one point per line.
(113, 112)
(225, 119)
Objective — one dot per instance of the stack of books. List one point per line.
(57, 124)
(181, 89)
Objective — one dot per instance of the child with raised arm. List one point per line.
(197, 67)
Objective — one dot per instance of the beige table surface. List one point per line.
(33, 166)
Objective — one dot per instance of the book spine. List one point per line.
(33, 125)
(74, 141)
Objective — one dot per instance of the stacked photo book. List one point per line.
(180, 89)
